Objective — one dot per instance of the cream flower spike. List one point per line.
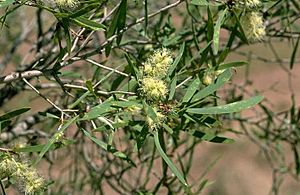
(253, 26)
(66, 3)
(158, 63)
(251, 3)
(153, 89)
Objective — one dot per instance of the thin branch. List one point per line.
(106, 68)
(20, 75)
(44, 97)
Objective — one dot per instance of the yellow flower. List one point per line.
(253, 26)
(26, 176)
(153, 89)
(158, 63)
(153, 124)
(249, 4)
(66, 3)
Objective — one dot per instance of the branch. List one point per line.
(20, 75)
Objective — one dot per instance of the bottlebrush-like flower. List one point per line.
(249, 4)
(27, 177)
(253, 26)
(158, 63)
(153, 89)
(154, 124)
(66, 3)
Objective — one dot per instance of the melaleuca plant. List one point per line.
(127, 90)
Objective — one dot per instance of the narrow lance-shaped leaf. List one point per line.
(193, 87)
(292, 61)
(87, 23)
(97, 111)
(6, 3)
(40, 147)
(205, 3)
(177, 60)
(134, 70)
(211, 137)
(167, 160)
(13, 113)
(222, 79)
(107, 147)
(217, 29)
(173, 87)
(231, 65)
(54, 139)
(228, 108)
(200, 2)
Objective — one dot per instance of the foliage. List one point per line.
(127, 85)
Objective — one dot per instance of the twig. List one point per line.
(47, 99)
(106, 68)
(20, 75)
(140, 20)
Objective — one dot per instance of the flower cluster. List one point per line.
(154, 89)
(155, 70)
(153, 124)
(153, 85)
(253, 26)
(251, 20)
(158, 63)
(66, 3)
(28, 177)
(249, 4)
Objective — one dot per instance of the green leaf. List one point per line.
(193, 87)
(228, 108)
(177, 60)
(231, 65)
(205, 3)
(53, 139)
(107, 147)
(84, 10)
(116, 25)
(6, 3)
(89, 85)
(4, 124)
(125, 104)
(217, 29)
(65, 24)
(212, 138)
(200, 2)
(98, 111)
(87, 23)
(167, 160)
(133, 69)
(167, 128)
(141, 138)
(297, 159)
(118, 20)
(204, 52)
(173, 87)
(108, 106)
(242, 33)
(222, 79)
(13, 113)
(210, 25)
(40, 147)
(292, 61)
